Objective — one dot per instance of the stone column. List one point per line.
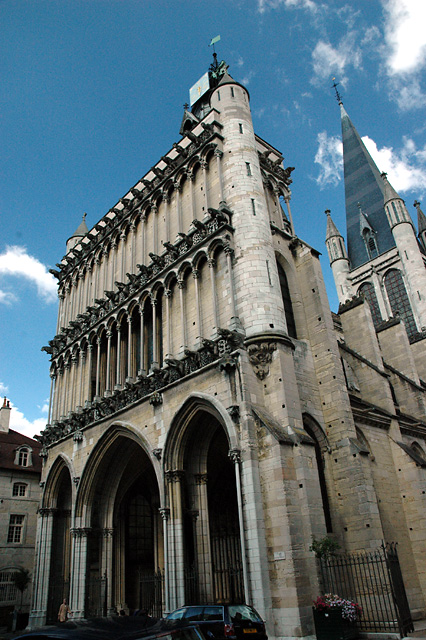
(142, 369)
(165, 515)
(118, 363)
(82, 354)
(97, 287)
(235, 323)
(51, 397)
(89, 372)
(132, 262)
(218, 154)
(79, 537)
(155, 350)
(106, 567)
(73, 385)
(178, 190)
(43, 552)
(58, 395)
(168, 295)
(166, 200)
(181, 286)
(199, 317)
(113, 264)
(204, 560)
(123, 256)
(191, 178)
(98, 367)
(60, 323)
(89, 285)
(177, 584)
(205, 166)
(129, 377)
(212, 265)
(66, 387)
(105, 264)
(154, 211)
(143, 235)
(235, 456)
(108, 365)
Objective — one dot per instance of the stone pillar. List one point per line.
(155, 350)
(165, 515)
(235, 323)
(212, 264)
(166, 200)
(98, 366)
(181, 286)
(204, 167)
(43, 552)
(51, 397)
(123, 256)
(118, 363)
(66, 387)
(178, 190)
(191, 178)
(89, 373)
(202, 530)
(168, 295)
(142, 369)
(199, 317)
(129, 377)
(143, 237)
(177, 584)
(218, 154)
(79, 536)
(235, 456)
(108, 365)
(154, 211)
(106, 567)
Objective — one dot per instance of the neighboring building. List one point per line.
(20, 473)
(209, 415)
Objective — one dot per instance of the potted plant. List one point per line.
(335, 618)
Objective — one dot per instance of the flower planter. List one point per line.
(329, 625)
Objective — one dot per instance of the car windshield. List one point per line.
(242, 612)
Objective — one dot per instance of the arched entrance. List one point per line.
(124, 550)
(204, 533)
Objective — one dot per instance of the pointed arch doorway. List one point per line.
(206, 558)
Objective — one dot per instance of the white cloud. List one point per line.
(4, 390)
(264, 5)
(329, 157)
(7, 297)
(405, 35)
(406, 168)
(18, 422)
(15, 261)
(329, 61)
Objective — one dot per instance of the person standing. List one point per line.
(64, 611)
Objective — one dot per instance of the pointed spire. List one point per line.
(363, 185)
(81, 229)
(332, 231)
(390, 193)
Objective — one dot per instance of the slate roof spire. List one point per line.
(363, 186)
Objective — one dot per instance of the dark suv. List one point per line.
(223, 621)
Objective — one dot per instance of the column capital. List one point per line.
(195, 274)
(175, 476)
(211, 262)
(235, 455)
(201, 478)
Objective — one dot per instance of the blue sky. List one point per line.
(92, 95)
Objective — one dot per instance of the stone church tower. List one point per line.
(207, 418)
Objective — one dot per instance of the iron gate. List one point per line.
(151, 587)
(374, 580)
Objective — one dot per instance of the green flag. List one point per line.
(214, 40)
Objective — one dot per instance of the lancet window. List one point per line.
(399, 301)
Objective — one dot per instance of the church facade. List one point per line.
(209, 416)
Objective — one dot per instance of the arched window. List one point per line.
(367, 290)
(315, 433)
(370, 244)
(23, 457)
(398, 300)
(288, 307)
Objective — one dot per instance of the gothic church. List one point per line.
(209, 415)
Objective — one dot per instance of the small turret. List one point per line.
(79, 233)
(421, 225)
(339, 260)
(396, 211)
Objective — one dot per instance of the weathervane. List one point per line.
(338, 96)
(212, 43)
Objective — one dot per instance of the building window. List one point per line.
(232, 92)
(248, 168)
(19, 489)
(8, 589)
(367, 290)
(23, 457)
(399, 301)
(240, 127)
(16, 527)
(288, 307)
